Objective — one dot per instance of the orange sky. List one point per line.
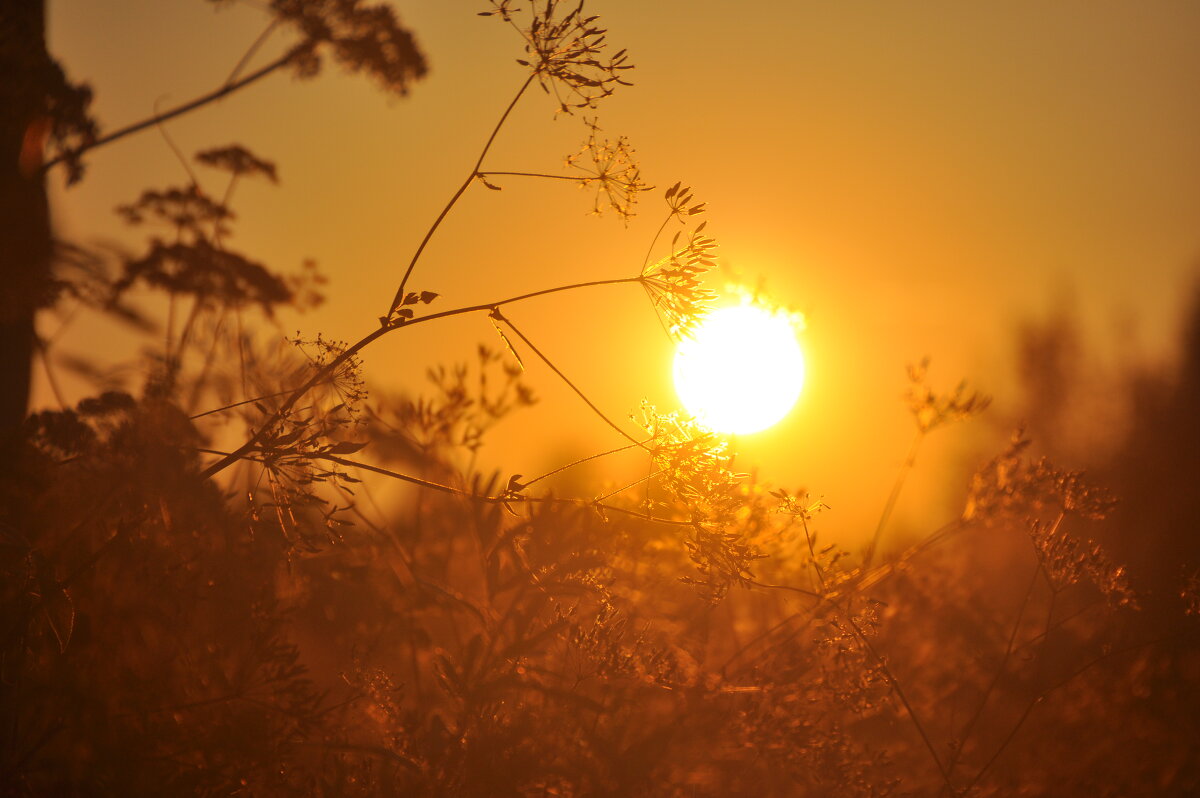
(915, 177)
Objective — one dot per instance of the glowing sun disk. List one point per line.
(742, 371)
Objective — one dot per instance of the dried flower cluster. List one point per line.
(610, 167)
(931, 410)
(1069, 561)
(471, 637)
(364, 38)
(564, 47)
(674, 283)
(1012, 484)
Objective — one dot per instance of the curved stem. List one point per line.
(450, 490)
(323, 373)
(969, 728)
(179, 110)
(454, 199)
(890, 506)
(633, 484)
(895, 684)
(570, 384)
(653, 241)
(533, 174)
(582, 460)
(254, 47)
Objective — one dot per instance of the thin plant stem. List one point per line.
(624, 488)
(890, 506)
(1041, 697)
(44, 355)
(238, 404)
(412, 264)
(653, 241)
(812, 553)
(570, 384)
(179, 110)
(582, 460)
(969, 728)
(792, 588)
(202, 378)
(251, 50)
(453, 491)
(535, 174)
(322, 374)
(895, 684)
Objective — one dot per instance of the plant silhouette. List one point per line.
(186, 616)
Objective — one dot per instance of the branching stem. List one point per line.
(179, 110)
(412, 264)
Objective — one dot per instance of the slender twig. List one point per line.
(331, 367)
(202, 378)
(890, 505)
(792, 588)
(44, 355)
(969, 728)
(577, 179)
(250, 51)
(179, 110)
(582, 460)
(239, 404)
(1042, 696)
(653, 241)
(454, 199)
(565, 379)
(171, 145)
(453, 491)
(624, 488)
(895, 685)
(812, 554)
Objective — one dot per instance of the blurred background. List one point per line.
(1009, 189)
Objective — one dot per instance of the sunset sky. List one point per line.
(915, 177)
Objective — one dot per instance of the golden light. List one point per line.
(743, 369)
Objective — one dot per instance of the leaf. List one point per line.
(346, 447)
(428, 296)
(507, 343)
(409, 299)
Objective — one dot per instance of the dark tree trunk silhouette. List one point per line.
(25, 243)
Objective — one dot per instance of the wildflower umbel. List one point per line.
(692, 463)
(932, 410)
(564, 51)
(610, 167)
(674, 282)
(1012, 483)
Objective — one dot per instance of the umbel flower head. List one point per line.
(673, 284)
(610, 167)
(564, 49)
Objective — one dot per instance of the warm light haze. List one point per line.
(742, 371)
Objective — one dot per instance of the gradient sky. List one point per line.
(915, 177)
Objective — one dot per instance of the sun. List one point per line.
(742, 370)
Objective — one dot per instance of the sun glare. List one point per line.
(742, 371)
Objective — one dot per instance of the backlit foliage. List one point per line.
(240, 572)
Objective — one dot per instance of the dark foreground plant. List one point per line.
(182, 617)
